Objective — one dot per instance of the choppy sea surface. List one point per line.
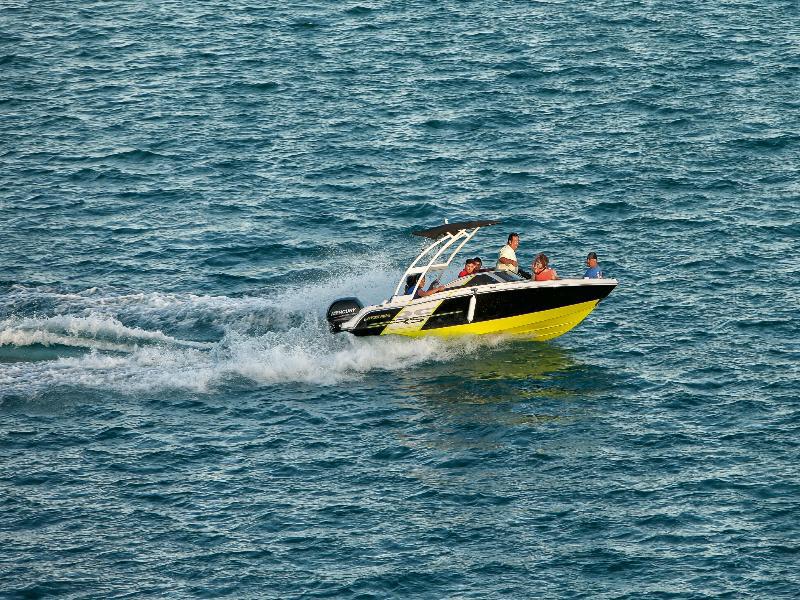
(185, 187)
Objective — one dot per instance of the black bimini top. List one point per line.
(437, 232)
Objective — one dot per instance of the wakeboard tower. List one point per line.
(488, 302)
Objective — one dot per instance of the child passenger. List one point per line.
(479, 265)
(469, 268)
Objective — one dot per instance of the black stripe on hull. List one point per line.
(448, 313)
(375, 322)
(512, 303)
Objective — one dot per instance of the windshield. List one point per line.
(507, 276)
(473, 280)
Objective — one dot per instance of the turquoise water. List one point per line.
(184, 188)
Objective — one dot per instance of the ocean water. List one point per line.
(185, 187)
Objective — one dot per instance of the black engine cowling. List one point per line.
(342, 310)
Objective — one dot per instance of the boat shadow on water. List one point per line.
(516, 383)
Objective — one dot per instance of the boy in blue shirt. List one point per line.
(594, 271)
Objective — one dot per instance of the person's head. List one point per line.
(540, 262)
(478, 262)
(591, 259)
(470, 265)
(513, 240)
(411, 280)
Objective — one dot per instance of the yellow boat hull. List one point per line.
(541, 325)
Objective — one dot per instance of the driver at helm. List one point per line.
(411, 281)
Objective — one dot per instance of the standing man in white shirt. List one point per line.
(507, 261)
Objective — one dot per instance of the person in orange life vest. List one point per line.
(541, 271)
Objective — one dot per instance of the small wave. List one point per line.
(419, 210)
(359, 10)
(8, 59)
(135, 156)
(617, 207)
(340, 188)
(766, 144)
(464, 124)
(765, 324)
(674, 183)
(20, 339)
(260, 86)
(518, 175)
(306, 24)
(102, 174)
(359, 169)
(575, 185)
(121, 156)
(96, 332)
(723, 63)
(526, 75)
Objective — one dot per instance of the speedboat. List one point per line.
(486, 302)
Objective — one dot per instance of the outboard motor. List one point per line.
(340, 311)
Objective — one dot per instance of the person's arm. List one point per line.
(507, 261)
(435, 290)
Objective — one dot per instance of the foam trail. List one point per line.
(274, 360)
(186, 313)
(256, 340)
(307, 355)
(144, 370)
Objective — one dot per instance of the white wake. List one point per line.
(149, 342)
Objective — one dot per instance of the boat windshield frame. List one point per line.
(437, 249)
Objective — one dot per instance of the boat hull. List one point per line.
(541, 325)
(540, 311)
